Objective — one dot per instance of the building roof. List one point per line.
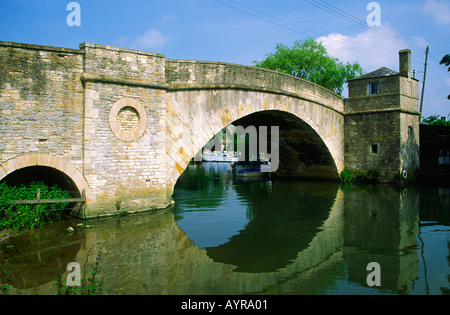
(382, 72)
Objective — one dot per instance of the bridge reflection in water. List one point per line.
(229, 237)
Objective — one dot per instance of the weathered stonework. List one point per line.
(128, 119)
(205, 97)
(123, 124)
(125, 169)
(382, 130)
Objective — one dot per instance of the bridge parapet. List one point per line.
(209, 75)
(123, 66)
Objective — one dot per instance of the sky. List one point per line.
(244, 31)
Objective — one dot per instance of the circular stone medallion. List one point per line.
(128, 119)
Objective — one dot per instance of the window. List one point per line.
(374, 148)
(373, 88)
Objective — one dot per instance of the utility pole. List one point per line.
(424, 78)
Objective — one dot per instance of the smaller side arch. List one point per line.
(55, 162)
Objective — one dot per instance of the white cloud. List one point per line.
(152, 39)
(371, 50)
(439, 10)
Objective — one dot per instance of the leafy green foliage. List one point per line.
(25, 217)
(309, 60)
(346, 176)
(446, 61)
(435, 120)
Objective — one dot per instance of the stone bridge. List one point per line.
(122, 125)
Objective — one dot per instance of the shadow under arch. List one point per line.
(195, 114)
(302, 151)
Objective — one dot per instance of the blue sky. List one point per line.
(242, 31)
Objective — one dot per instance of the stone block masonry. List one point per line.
(124, 164)
(382, 124)
(124, 124)
(41, 107)
(57, 102)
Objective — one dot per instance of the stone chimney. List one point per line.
(405, 62)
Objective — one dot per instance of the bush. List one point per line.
(346, 176)
(25, 217)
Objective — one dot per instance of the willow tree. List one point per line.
(309, 60)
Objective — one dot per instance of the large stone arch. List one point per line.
(194, 117)
(30, 160)
(204, 97)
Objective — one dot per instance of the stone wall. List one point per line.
(382, 131)
(124, 164)
(63, 108)
(41, 103)
(379, 129)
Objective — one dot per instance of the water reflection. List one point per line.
(271, 222)
(32, 256)
(381, 224)
(270, 237)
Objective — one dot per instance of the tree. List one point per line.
(446, 61)
(435, 120)
(309, 60)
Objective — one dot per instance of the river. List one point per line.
(280, 237)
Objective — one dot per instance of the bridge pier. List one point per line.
(124, 129)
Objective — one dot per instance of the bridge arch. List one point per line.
(53, 162)
(205, 97)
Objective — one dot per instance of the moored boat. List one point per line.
(226, 157)
(252, 169)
